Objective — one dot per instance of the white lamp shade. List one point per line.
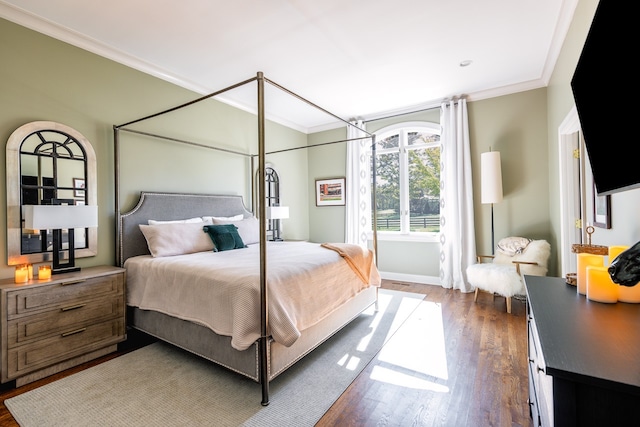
(54, 217)
(278, 212)
(491, 178)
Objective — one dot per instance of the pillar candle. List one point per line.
(629, 293)
(30, 269)
(614, 251)
(44, 272)
(22, 274)
(600, 287)
(585, 259)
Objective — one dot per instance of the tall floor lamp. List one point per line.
(491, 183)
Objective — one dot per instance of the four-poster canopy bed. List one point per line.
(303, 292)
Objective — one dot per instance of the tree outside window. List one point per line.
(408, 178)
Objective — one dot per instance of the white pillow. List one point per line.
(176, 221)
(248, 228)
(224, 218)
(176, 239)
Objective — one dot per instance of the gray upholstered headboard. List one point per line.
(170, 206)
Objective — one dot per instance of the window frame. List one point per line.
(404, 128)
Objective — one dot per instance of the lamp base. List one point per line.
(64, 270)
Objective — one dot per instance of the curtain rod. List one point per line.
(454, 100)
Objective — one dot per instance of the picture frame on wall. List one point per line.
(330, 192)
(601, 210)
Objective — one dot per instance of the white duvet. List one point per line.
(221, 290)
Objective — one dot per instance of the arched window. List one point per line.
(272, 198)
(408, 178)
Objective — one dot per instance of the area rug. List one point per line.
(161, 385)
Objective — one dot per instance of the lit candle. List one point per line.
(614, 251)
(22, 274)
(584, 260)
(44, 272)
(30, 270)
(600, 287)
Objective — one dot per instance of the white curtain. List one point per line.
(457, 235)
(358, 186)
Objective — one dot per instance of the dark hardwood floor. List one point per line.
(452, 363)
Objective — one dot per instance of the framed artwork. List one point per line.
(330, 192)
(78, 187)
(601, 210)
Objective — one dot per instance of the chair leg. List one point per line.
(475, 297)
(508, 305)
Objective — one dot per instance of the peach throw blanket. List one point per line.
(359, 259)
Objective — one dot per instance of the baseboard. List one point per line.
(414, 278)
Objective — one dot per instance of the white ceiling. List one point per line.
(355, 58)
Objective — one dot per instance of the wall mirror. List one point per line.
(48, 163)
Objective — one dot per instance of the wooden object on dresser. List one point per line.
(49, 326)
(584, 357)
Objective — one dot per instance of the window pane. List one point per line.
(392, 141)
(414, 138)
(388, 191)
(424, 189)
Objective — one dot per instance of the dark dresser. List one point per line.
(584, 357)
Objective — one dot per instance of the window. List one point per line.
(408, 179)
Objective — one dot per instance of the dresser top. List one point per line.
(585, 340)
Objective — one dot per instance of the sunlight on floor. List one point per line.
(405, 306)
(416, 355)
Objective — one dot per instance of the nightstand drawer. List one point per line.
(67, 344)
(28, 328)
(53, 297)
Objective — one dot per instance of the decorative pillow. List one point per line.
(513, 245)
(248, 228)
(176, 239)
(176, 221)
(224, 218)
(224, 237)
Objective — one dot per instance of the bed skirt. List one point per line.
(204, 342)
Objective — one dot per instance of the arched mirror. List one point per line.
(48, 163)
(272, 198)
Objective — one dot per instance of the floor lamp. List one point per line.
(491, 183)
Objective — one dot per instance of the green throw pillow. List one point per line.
(225, 237)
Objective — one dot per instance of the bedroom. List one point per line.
(93, 93)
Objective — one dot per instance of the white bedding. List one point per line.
(221, 290)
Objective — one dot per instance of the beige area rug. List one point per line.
(161, 385)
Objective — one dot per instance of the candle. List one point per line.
(584, 260)
(600, 287)
(44, 272)
(30, 270)
(22, 274)
(614, 251)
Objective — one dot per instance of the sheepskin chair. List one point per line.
(515, 256)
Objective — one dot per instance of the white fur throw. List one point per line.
(501, 276)
(496, 278)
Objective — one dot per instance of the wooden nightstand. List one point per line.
(49, 326)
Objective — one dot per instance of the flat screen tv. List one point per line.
(604, 86)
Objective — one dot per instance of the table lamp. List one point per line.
(58, 218)
(277, 213)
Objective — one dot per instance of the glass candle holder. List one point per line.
(44, 272)
(21, 274)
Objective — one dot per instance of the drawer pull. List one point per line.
(73, 307)
(539, 369)
(77, 331)
(73, 282)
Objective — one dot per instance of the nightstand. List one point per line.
(49, 326)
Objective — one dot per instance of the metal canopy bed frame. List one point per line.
(121, 251)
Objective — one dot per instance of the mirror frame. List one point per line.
(14, 207)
